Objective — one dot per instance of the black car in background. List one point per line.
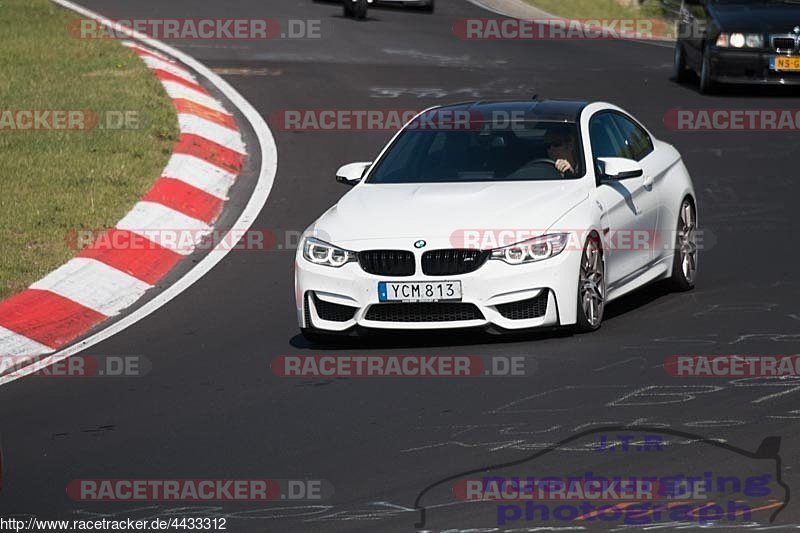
(739, 41)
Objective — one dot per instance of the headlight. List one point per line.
(532, 250)
(740, 40)
(753, 40)
(321, 253)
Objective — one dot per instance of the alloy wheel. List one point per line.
(687, 242)
(592, 283)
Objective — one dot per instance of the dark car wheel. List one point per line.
(360, 9)
(707, 85)
(679, 71)
(430, 7)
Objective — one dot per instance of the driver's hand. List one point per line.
(563, 166)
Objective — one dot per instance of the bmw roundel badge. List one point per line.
(420, 244)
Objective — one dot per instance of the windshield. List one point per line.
(515, 151)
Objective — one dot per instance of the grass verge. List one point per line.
(54, 182)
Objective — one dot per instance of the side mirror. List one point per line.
(618, 168)
(351, 174)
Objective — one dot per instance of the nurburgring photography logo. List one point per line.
(637, 476)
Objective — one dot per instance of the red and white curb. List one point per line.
(103, 281)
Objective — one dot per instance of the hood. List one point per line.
(757, 16)
(437, 210)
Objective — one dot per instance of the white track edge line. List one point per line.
(266, 178)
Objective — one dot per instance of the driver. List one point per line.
(560, 144)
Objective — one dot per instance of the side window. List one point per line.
(605, 138)
(637, 143)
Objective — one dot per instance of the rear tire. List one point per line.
(679, 70)
(430, 8)
(684, 259)
(348, 8)
(591, 287)
(360, 9)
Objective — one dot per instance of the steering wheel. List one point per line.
(542, 160)
(549, 162)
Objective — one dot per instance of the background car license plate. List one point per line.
(785, 63)
(419, 291)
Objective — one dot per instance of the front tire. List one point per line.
(430, 7)
(684, 262)
(707, 85)
(348, 8)
(591, 287)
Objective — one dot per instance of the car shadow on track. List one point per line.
(379, 7)
(741, 91)
(637, 299)
(429, 339)
(467, 337)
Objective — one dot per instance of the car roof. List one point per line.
(548, 110)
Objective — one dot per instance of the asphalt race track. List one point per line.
(211, 407)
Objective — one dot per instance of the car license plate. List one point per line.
(419, 291)
(784, 63)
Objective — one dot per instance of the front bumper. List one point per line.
(509, 297)
(748, 67)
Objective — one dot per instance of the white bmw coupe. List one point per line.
(502, 215)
